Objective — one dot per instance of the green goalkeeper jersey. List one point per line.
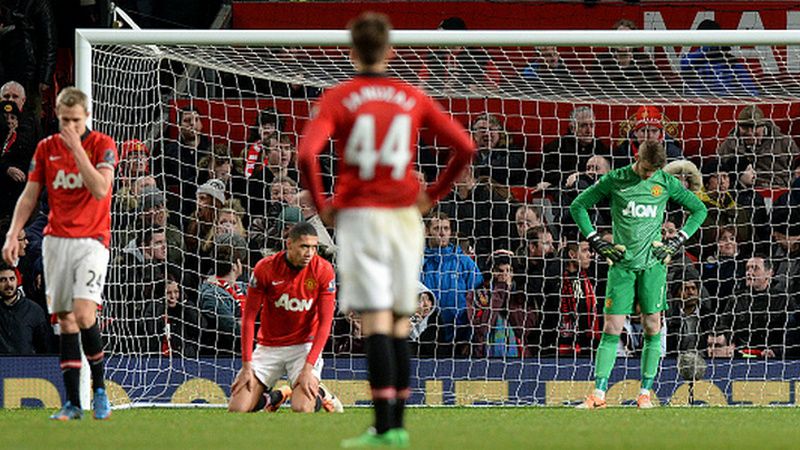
(637, 211)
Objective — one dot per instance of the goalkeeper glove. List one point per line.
(663, 251)
(612, 253)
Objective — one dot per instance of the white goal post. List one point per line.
(121, 71)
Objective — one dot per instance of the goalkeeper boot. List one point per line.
(68, 412)
(330, 402)
(278, 397)
(101, 408)
(592, 402)
(371, 439)
(644, 402)
(399, 437)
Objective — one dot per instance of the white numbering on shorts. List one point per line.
(394, 152)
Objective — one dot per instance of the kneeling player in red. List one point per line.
(296, 292)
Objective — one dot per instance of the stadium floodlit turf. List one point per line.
(439, 428)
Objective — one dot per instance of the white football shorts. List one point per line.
(270, 364)
(379, 259)
(73, 268)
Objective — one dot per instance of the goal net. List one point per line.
(208, 123)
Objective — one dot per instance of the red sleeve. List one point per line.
(453, 135)
(36, 169)
(326, 302)
(255, 298)
(316, 134)
(106, 153)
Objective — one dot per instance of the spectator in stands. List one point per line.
(539, 273)
(218, 165)
(785, 251)
(222, 296)
(229, 221)
(181, 158)
(490, 312)
(565, 158)
(134, 161)
(627, 71)
(479, 211)
(688, 319)
(278, 167)
(28, 48)
(596, 167)
(18, 140)
(210, 199)
(133, 169)
(549, 75)
(327, 247)
(722, 208)
(578, 321)
(458, 69)
(646, 125)
(269, 123)
(722, 270)
(140, 269)
(525, 218)
(497, 158)
(424, 335)
(173, 326)
(347, 337)
(15, 92)
(711, 71)
(760, 320)
(450, 275)
(758, 151)
(24, 329)
(152, 213)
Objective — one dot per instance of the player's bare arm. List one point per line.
(97, 181)
(22, 212)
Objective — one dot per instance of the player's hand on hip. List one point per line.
(424, 202)
(16, 174)
(11, 250)
(307, 382)
(328, 216)
(71, 139)
(663, 251)
(614, 253)
(244, 380)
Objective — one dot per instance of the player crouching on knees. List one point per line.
(638, 258)
(296, 292)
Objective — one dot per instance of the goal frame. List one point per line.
(86, 39)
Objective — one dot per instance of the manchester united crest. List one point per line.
(311, 284)
(609, 302)
(656, 191)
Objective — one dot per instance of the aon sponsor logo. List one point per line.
(641, 211)
(67, 180)
(293, 304)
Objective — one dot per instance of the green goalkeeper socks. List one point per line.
(651, 354)
(606, 357)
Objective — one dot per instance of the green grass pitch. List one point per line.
(430, 428)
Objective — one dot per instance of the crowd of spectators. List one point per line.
(502, 275)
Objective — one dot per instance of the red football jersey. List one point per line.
(295, 304)
(74, 213)
(374, 121)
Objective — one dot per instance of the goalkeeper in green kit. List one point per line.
(637, 258)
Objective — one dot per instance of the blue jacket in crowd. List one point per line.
(450, 275)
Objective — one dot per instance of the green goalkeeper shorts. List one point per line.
(627, 288)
